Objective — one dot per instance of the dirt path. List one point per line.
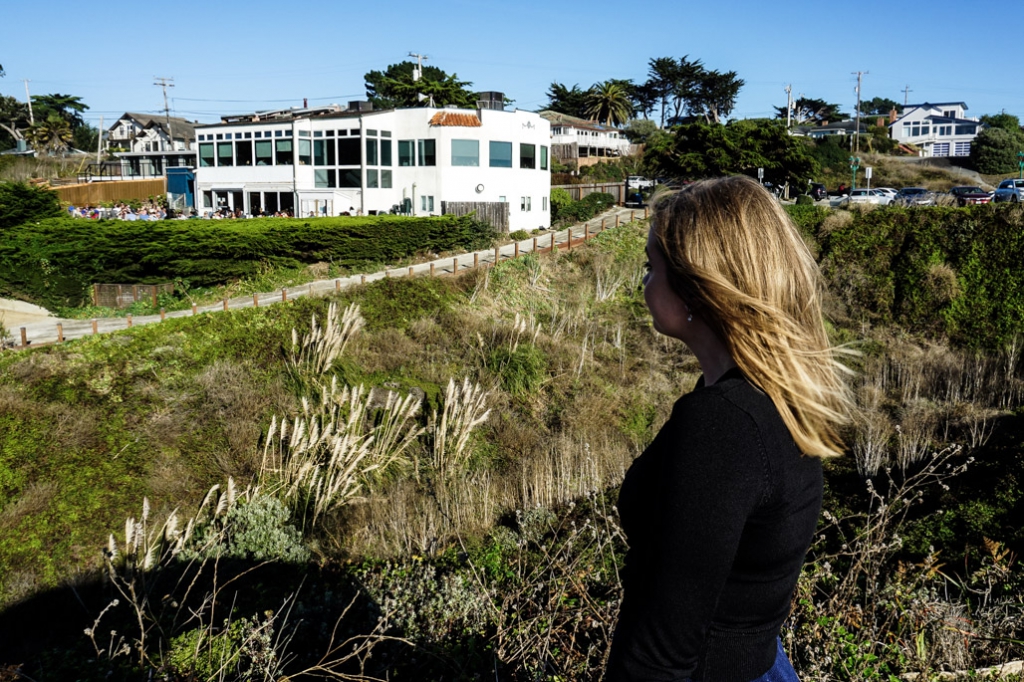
(43, 330)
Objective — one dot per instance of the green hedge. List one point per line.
(950, 271)
(53, 262)
(584, 209)
(20, 202)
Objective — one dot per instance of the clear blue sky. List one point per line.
(229, 57)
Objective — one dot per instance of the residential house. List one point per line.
(940, 129)
(419, 161)
(148, 144)
(584, 142)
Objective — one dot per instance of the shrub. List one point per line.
(54, 262)
(521, 370)
(519, 235)
(804, 200)
(20, 202)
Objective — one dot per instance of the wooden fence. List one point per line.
(616, 189)
(116, 190)
(494, 213)
(123, 295)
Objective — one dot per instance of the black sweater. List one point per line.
(719, 512)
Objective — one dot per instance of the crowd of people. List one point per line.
(148, 211)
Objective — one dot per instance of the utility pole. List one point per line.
(856, 133)
(99, 141)
(166, 83)
(417, 73)
(28, 98)
(906, 95)
(789, 104)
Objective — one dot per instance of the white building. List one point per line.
(149, 144)
(941, 129)
(421, 161)
(584, 142)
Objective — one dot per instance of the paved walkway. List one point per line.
(55, 330)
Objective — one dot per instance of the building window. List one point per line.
(349, 178)
(503, 200)
(527, 155)
(543, 203)
(962, 149)
(370, 132)
(405, 153)
(372, 178)
(323, 177)
(224, 155)
(966, 130)
(371, 151)
(264, 153)
(428, 153)
(206, 155)
(949, 113)
(305, 153)
(284, 152)
(427, 203)
(243, 153)
(543, 158)
(465, 152)
(385, 179)
(207, 199)
(385, 151)
(320, 152)
(348, 153)
(524, 204)
(501, 154)
(385, 133)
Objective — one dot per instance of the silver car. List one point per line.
(1009, 190)
(867, 196)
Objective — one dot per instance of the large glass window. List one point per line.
(385, 179)
(324, 177)
(371, 152)
(205, 155)
(426, 203)
(224, 154)
(348, 154)
(285, 154)
(243, 153)
(305, 152)
(527, 155)
(427, 153)
(372, 177)
(348, 178)
(264, 153)
(405, 153)
(385, 152)
(543, 157)
(501, 154)
(465, 152)
(320, 152)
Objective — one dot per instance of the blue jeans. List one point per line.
(782, 670)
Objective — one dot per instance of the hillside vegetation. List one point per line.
(416, 478)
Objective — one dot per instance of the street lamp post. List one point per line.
(1020, 164)
(854, 165)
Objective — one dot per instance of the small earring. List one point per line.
(689, 318)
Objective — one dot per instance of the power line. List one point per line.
(166, 83)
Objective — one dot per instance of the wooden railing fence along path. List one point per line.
(43, 333)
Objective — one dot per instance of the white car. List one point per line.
(888, 191)
(639, 181)
(867, 196)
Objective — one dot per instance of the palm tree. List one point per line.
(51, 135)
(610, 102)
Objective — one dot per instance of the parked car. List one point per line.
(915, 196)
(970, 194)
(639, 181)
(888, 191)
(1010, 189)
(818, 191)
(867, 196)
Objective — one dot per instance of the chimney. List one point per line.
(893, 115)
(305, 103)
(880, 122)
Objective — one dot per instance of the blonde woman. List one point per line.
(719, 511)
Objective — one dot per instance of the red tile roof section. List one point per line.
(455, 119)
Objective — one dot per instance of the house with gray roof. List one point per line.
(148, 144)
(937, 129)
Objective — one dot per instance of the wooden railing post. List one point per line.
(60, 333)
(255, 300)
(432, 269)
(24, 337)
(616, 220)
(129, 321)
(284, 297)
(497, 254)
(410, 271)
(516, 251)
(163, 315)
(95, 327)
(534, 250)
(337, 285)
(362, 279)
(455, 265)
(195, 310)
(225, 304)
(476, 259)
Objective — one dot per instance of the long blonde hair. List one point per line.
(739, 263)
